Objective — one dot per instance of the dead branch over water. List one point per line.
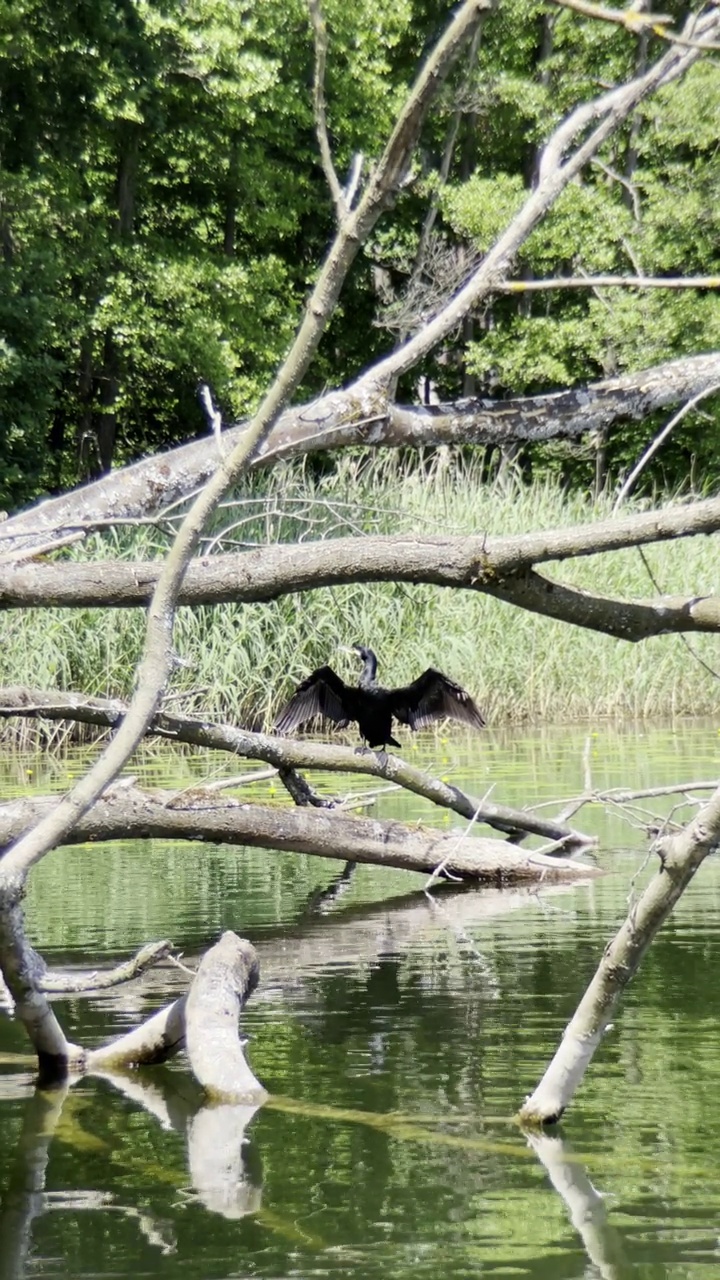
(90, 812)
(680, 856)
(127, 813)
(287, 753)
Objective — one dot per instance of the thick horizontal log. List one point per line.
(131, 814)
(286, 753)
(499, 566)
(362, 415)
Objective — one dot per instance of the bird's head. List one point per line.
(369, 671)
(365, 655)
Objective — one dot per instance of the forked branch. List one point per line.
(288, 754)
(503, 567)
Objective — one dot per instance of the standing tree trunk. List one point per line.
(107, 417)
(231, 199)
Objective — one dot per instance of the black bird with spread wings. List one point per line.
(431, 697)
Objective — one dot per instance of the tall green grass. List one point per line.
(240, 661)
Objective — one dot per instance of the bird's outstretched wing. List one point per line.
(323, 693)
(432, 697)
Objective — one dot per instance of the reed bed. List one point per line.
(240, 661)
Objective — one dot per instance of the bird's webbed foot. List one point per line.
(381, 754)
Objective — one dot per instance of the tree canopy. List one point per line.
(163, 207)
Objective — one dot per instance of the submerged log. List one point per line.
(204, 1022)
(227, 976)
(156, 1039)
(129, 813)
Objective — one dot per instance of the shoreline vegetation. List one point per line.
(239, 662)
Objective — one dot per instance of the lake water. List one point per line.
(397, 1037)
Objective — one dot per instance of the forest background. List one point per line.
(163, 209)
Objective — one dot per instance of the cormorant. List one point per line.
(431, 697)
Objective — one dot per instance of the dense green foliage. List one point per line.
(239, 661)
(163, 211)
(647, 206)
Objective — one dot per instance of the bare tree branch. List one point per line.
(284, 753)
(19, 968)
(158, 1038)
(636, 21)
(627, 620)
(155, 664)
(680, 856)
(659, 440)
(101, 979)
(557, 169)
(226, 978)
(632, 18)
(340, 420)
(609, 282)
(503, 567)
(321, 46)
(411, 310)
(127, 813)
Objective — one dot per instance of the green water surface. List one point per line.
(397, 1037)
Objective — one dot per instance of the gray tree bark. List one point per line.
(680, 856)
(503, 567)
(127, 813)
(286, 754)
(347, 419)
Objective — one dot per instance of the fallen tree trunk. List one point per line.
(227, 976)
(499, 566)
(204, 1022)
(283, 753)
(680, 856)
(127, 813)
(345, 419)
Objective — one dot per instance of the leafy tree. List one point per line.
(162, 208)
